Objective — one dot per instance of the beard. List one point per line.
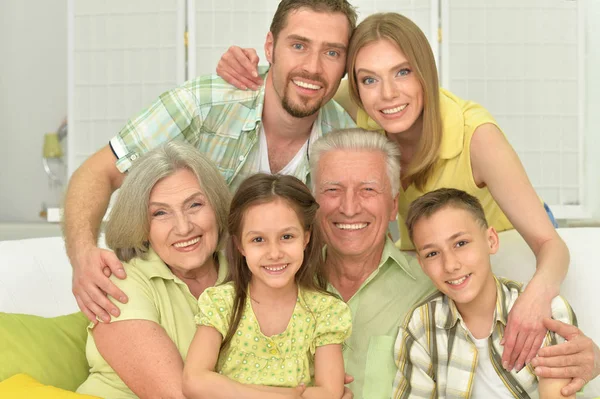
(301, 108)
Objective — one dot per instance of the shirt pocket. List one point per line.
(380, 368)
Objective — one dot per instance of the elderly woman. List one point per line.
(166, 227)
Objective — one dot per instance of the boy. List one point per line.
(449, 346)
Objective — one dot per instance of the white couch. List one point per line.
(35, 277)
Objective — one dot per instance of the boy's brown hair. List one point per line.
(433, 201)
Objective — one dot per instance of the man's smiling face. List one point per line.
(355, 198)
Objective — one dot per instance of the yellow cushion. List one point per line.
(51, 350)
(22, 386)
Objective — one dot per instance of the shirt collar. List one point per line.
(156, 268)
(453, 126)
(397, 257)
(448, 320)
(255, 114)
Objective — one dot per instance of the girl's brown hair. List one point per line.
(407, 36)
(263, 189)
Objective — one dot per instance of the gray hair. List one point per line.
(358, 140)
(128, 226)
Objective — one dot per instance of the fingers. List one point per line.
(567, 331)
(348, 379)
(239, 68)
(573, 387)
(116, 267)
(566, 348)
(556, 361)
(348, 394)
(528, 351)
(509, 342)
(84, 309)
(558, 372)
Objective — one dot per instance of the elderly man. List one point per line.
(243, 132)
(355, 178)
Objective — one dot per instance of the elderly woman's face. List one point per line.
(183, 226)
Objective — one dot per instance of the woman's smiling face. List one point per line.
(389, 89)
(183, 226)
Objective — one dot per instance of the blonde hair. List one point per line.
(409, 39)
(128, 226)
(358, 140)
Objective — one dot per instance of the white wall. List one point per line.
(33, 101)
(593, 102)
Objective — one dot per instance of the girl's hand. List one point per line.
(239, 67)
(525, 330)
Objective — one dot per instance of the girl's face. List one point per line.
(388, 87)
(273, 240)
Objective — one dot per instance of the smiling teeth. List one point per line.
(306, 85)
(459, 281)
(394, 110)
(353, 226)
(186, 243)
(275, 269)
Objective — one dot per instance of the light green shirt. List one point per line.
(378, 309)
(155, 294)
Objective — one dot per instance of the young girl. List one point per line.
(272, 329)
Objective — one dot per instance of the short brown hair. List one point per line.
(434, 201)
(285, 7)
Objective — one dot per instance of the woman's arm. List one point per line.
(496, 165)
(329, 373)
(201, 381)
(139, 351)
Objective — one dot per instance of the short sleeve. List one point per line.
(141, 304)
(166, 119)
(214, 308)
(333, 322)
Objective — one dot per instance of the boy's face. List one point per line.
(454, 251)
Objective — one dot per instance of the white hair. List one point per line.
(358, 140)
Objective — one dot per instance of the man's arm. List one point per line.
(86, 201)
(578, 358)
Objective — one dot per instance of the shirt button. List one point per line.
(134, 157)
(241, 158)
(273, 351)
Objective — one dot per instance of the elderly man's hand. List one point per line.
(525, 331)
(578, 358)
(91, 283)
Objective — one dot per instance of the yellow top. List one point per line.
(282, 360)
(460, 118)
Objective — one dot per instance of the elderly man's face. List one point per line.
(355, 198)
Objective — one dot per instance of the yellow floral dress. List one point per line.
(283, 360)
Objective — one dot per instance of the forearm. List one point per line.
(549, 388)
(322, 393)
(86, 202)
(211, 385)
(552, 263)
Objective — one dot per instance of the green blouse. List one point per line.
(283, 360)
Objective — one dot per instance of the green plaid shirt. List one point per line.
(220, 120)
(436, 357)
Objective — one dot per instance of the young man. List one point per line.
(451, 343)
(243, 132)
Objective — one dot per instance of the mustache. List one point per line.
(309, 76)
